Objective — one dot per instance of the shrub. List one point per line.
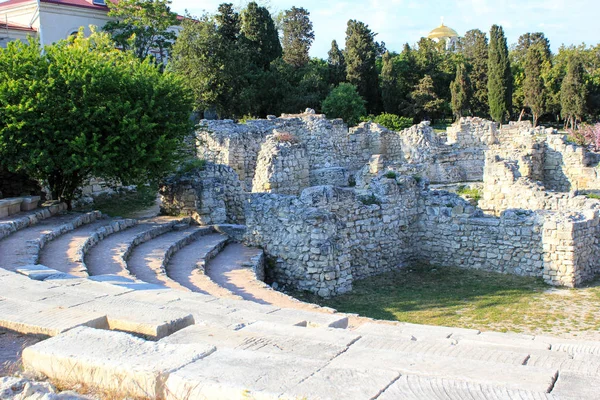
(586, 135)
(417, 178)
(190, 165)
(345, 102)
(370, 200)
(285, 137)
(390, 175)
(393, 122)
(472, 194)
(246, 118)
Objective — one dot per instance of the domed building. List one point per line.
(444, 33)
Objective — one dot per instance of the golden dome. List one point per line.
(442, 32)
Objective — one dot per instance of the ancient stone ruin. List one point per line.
(330, 205)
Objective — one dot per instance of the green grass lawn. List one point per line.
(469, 298)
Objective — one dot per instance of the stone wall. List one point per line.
(211, 195)
(282, 166)
(568, 167)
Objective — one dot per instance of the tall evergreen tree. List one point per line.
(228, 23)
(336, 63)
(460, 91)
(298, 35)
(361, 55)
(533, 86)
(474, 48)
(499, 76)
(389, 84)
(260, 35)
(573, 93)
(427, 104)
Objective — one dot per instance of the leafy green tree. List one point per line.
(345, 102)
(427, 104)
(228, 23)
(460, 91)
(474, 48)
(499, 76)
(143, 26)
(573, 93)
(260, 35)
(112, 115)
(392, 121)
(361, 54)
(533, 85)
(298, 35)
(336, 64)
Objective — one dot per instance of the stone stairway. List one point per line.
(148, 322)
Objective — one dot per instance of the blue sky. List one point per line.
(401, 21)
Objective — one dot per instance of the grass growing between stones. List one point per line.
(472, 299)
(127, 204)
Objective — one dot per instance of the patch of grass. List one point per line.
(390, 175)
(125, 204)
(593, 196)
(370, 200)
(471, 194)
(462, 297)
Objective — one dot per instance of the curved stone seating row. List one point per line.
(24, 220)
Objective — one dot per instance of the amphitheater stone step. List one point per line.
(62, 253)
(108, 256)
(22, 248)
(187, 265)
(572, 386)
(113, 361)
(147, 261)
(411, 387)
(22, 220)
(413, 331)
(550, 360)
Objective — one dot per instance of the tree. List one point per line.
(474, 48)
(389, 85)
(460, 91)
(573, 93)
(112, 115)
(427, 104)
(361, 54)
(260, 35)
(143, 26)
(228, 23)
(336, 64)
(345, 102)
(533, 85)
(298, 35)
(499, 76)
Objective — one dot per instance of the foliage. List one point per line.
(370, 200)
(360, 55)
(499, 76)
(533, 87)
(143, 26)
(125, 203)
(573, 93)
(345, 102)
(190, 165)
(260, 36)
(474, 48)
(586, 135)
(391, 121)
(460, 91)
(417, 178)
(390, 175)
(112, 115)
(228, 23)
(472, 194)
(298, 35)
(336, 64)
(595, 196)
(427, 104)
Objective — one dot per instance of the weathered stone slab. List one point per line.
(167, 296)
(502, 340)
(37, 272)
(445, 349)
(573, 386)
(247, 305)
(112, 361)
(237, 374)
(419, 332)
(327, 335)
(35, 318)
(518, 377)
(256, 341)
(138, 317)
(347, 383)
(571, 346)
(410, 387)
(550, 360)
(315, 319)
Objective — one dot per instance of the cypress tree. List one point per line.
(474, 47)
(260, 35)
(499, 76)
(573, 93)
(228, 23)
(389, 83)
(459, 89)
(361, 54)
(533, 86)
(336, 64)
(298, 35)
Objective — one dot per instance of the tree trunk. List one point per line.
(535, 119)
(521, 114)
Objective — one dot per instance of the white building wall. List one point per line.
(58, 25)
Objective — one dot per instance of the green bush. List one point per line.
(390, 175)
(393, 122)
(345, 102)
(370, 200)
(472, 194)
